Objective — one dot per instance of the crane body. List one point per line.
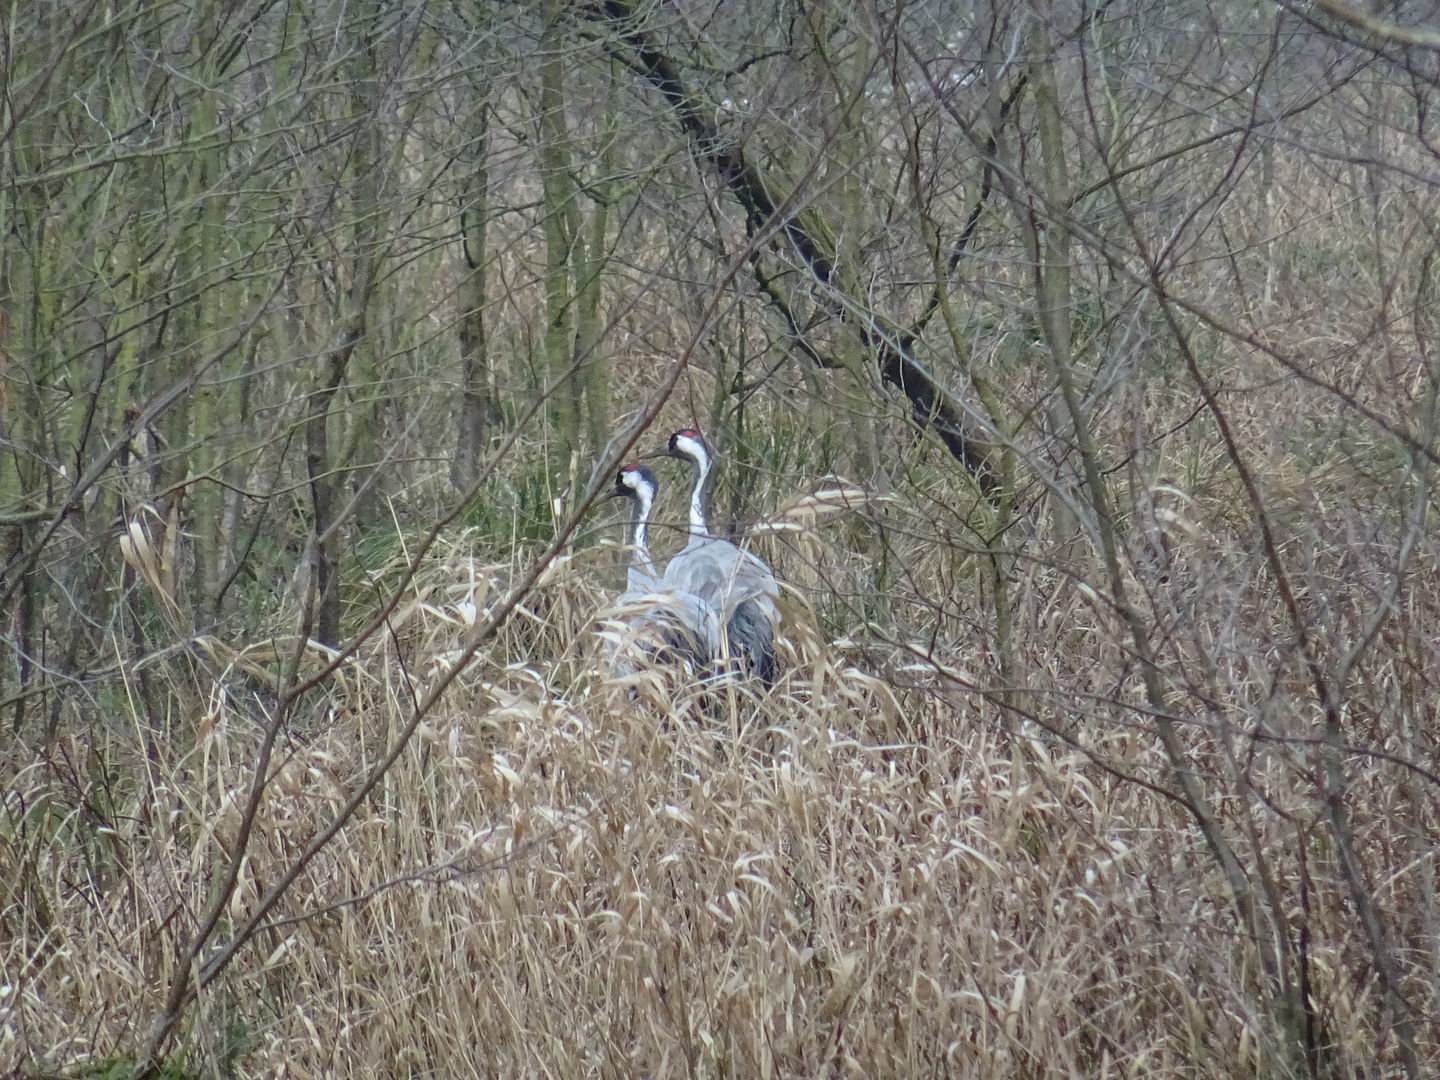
(737, 584)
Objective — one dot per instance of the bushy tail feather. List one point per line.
(752, 640)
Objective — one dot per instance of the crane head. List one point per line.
(688, 443)
(635, 481)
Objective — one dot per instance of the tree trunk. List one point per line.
(561, 229)
(474, 343)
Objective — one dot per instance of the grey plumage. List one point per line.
(738, 585)
(656, 619)
(750, 632)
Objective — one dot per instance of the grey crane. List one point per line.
(736, 583)
(666, 622)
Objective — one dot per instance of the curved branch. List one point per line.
(1420, 36)
(932, 405)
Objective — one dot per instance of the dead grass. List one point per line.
(579, 887)
(839, 877)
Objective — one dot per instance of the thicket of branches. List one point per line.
(1074, 363)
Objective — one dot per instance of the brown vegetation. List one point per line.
(1075, 371)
